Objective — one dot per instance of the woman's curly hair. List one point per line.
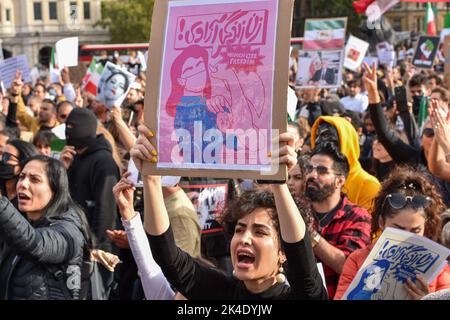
(410, 182)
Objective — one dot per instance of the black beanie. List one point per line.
(81, 127)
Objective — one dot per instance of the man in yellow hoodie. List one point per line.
(360, 187)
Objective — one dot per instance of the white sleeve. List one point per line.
(69, 92)
(156, 286)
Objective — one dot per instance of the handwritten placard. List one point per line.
(8, 68)
(397, 256)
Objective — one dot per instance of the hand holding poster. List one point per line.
(355, 52)
(113, 85)
(426, 50)
(319, 69)
(397, 256)
(9, 67)
(212, 85)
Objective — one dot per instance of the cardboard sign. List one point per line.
(397, 256)
(8, 69)
(319, 69)
(67, 52)
(213, 87)
(355, 52)
(114, 84)
(425, 53)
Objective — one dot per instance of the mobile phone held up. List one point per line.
(401, 99)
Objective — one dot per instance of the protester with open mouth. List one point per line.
(267, 233)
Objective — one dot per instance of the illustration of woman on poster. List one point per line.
(370, 282)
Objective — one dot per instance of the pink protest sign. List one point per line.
(216, 86)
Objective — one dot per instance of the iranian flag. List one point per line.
(324, 33)
(446, 30)
(54, 69)
(92, 77)
(430, 23)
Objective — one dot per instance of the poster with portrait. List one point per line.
(397, 256)
(426, 51)
(214, 83)
(319, 69)
(113, 85)
(355, 51)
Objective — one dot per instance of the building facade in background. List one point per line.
(410, 16)
(32, 27)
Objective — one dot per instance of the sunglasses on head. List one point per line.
(399, 201)
(7, 156)
(428, 132)
(321, 170)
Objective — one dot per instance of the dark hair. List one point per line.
(114, 73)
(409, 181)
(61, 200)
(49, 101)
(444, 94)
(26, 150)
(340, 162)
(436, 77)
(245, 205)
(44, 137)
(355, 82)
(63, 103)
(417, 80)
(40, 85)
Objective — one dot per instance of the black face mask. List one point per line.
(327, 133)
(80, 143)
(6, 171)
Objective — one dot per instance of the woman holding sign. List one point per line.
(268, 232)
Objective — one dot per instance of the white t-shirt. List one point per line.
(358, 103)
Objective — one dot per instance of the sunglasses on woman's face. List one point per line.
(8, 156)
(428, 132)
(399, 201)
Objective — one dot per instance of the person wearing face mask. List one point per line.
(92, 173)
(14, 154)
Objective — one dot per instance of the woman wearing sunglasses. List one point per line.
(410, 202)
(15, 153)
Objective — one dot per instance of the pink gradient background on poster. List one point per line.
(239, 41)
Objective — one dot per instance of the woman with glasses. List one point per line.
(410, 202)
(14, 154)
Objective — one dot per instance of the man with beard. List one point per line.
(340, 227)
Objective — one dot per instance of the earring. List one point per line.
(280, 277)
(234, 273)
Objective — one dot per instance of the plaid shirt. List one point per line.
(346, 227)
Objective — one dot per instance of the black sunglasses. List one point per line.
(7, 156)
(399, 201)
(321, 170)
(428, 132)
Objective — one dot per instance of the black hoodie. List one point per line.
(92, 177)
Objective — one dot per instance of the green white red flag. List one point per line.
(324, 33)
(430, 21)
(92, 77)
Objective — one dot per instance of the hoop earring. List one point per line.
(280, 277)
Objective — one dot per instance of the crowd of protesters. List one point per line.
(356, 155)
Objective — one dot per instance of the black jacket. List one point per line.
(92, 177)
(197, 281)
(32, 255)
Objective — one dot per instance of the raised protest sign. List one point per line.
(324, 33)
(8, 69)
(386, 54)
(67, 52)
(397, 256)
(319, 69)
(355, 52)
(213, 87)
(113, 85)
(426, 50)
